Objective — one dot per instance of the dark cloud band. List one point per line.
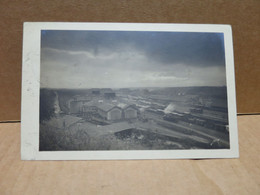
(166, 48)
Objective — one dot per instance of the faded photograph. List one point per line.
(132, 90)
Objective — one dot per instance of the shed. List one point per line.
(109, 111)
(130, 112)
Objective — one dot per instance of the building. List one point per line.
(108, 93)
(109, 111)
(90, 107)
(95, 92)
(76, 104)
(105, 110)
(130, 112)
(75, 107)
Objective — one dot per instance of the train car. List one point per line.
(196, 110)
(173, 117)
(170, 118)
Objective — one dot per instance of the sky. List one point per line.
(121, 59)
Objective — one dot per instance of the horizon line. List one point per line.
(125, 87)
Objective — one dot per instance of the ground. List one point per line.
(150, 131)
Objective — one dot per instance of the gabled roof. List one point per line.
(122, 105)
(131, 106)
(125, 106)
(107, 107)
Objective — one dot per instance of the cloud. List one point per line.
(166, 48)
(126, 68)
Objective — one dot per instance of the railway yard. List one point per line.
(161, 122)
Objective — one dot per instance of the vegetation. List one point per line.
(47, 99)
(53, 139)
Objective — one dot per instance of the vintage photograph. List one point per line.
(105, 90)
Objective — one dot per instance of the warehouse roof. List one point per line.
(107, 107)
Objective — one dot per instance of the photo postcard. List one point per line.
(104, 91)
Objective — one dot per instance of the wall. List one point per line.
(242, 15)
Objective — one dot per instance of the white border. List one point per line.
(31, 86)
